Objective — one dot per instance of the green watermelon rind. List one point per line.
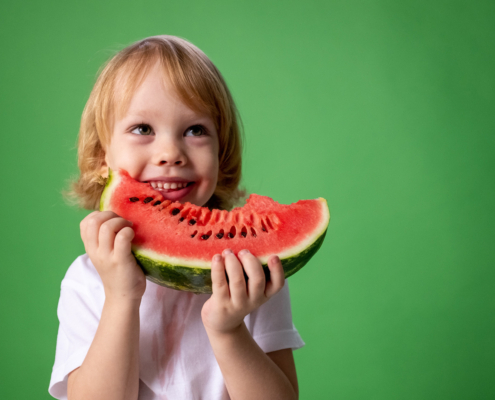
(198, 280)
(106, 194)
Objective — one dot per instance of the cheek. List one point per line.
(209, 172)
(213, 169)
(206, 162)
(126, 157)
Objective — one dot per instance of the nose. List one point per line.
(172, 161)
(163, 162)
(170, 153)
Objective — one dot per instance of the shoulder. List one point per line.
(82, 272)
(81, 286)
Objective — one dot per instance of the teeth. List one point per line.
(167, 185)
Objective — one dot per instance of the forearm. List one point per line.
(248, 372)
(111, 367)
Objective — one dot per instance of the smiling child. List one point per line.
(161, 111)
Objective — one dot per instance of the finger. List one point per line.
(86, 225)
(108, 232)
(277, 277)
(122, 243)
(237, 283)
(256, 282)
(90, 226)
(219, 282)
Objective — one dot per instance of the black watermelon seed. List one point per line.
(134, 199)
(263, 229)
(182, 219)
(219, 235)
(230, 235)
(175, 211)
(243, 234)
(157, 202)
(147, 199)
(194, 234)
(192, 222)
(204, 237)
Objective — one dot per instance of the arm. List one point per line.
(285, 361)
(249, 373)
(111, 367)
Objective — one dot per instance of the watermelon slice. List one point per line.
(174, 243)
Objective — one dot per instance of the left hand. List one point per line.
(231, 301)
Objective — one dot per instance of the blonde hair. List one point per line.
(198, 83)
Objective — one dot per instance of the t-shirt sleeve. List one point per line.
(79, 311)
(271, 324)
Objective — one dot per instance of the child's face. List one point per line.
(162, 141)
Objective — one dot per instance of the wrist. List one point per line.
(129, 294)
(232, 333)
(122, 302)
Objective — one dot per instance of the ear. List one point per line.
(103, 171)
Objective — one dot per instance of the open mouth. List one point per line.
(173, 191)
(169, 186)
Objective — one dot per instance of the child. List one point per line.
(161, 110)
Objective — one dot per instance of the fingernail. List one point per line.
(275, 259)
(244, 252)
(217, 257)
(227, 251)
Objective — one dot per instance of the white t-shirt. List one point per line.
(176, 358)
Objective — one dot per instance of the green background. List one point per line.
(385, 108)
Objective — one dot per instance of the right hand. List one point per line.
(107, 240)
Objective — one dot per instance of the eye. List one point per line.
(143, 129)
(195, 130)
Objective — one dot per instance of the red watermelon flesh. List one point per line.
(188, 236)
